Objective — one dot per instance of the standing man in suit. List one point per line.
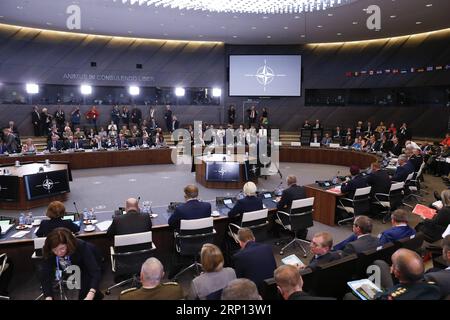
(136, 116)
(379, 180)
(192, 209)
(252, 116)
(442, 277)
(168, 118)
(400, 228)
(320, 247)
(284, 203)
(290, 284)
(175, 123)
(355, 182)
(255, 261)
(130, 222)
(247, 204)
(404, 168)
(231, 115)
(361, 240)
(36, 120)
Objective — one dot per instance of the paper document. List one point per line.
(293, 260)
(104, 225)
(364, 289)
(19, 234)
(424, 211)
(437, 204)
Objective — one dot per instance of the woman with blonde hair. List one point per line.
(247, 204)
(214, 278)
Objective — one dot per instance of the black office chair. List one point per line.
(305, 136)
(359, 205)
(390, 201)
(191, 237)
(257, 221)
(128, 254)
(299, 218)
(366, 258)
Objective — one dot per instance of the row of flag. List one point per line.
(397, 71)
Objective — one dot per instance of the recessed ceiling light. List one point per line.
(319, 26)
(268, 37)
(339, 34)
(429, 5)
(330, 14)
(302, 36)
(253, 28)
(418, 22)
(297, 17)
(235, 37)
(355, 22)
(19, 7)
(392, 17)
(285, 28)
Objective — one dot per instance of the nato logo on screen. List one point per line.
(265, 75)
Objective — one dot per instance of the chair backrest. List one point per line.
(366, 258)
(131, 251)
(396, 195)
(413, 242)
(39, 243)
(331, 278)
(409, 177)
(194, 234)
(301, 214)
(258, 222)
(361, 201)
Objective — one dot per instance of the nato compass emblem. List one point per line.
(222, 171)
(47, 184)
(265, 75)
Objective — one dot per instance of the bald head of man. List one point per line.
(132, 204)
(407, 266)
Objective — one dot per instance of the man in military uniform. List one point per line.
(152, 272)
(407, 267)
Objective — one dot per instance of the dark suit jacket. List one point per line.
(49, 225)
(379, 181)
(294, 192)
(395, 233)
(131, 222)
(123, 144)
(58, 145)
(435, 227)
(192, 209)
(246, 204)
(327, 257)
(255, 262)
(397, 149)
(366, 242)
(355, 183)
(300, 295)
(402, 172)
(85, 258)
(416, 162)
(442, 279)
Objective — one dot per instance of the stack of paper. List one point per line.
(336, 189)
(104, 225)
(19, 234)
(424, 211)
(293, 260)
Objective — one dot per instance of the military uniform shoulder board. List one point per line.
(400, 291)
(128, 290)
(170, 283)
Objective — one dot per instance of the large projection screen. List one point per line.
(265, 75)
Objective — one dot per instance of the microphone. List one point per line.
(75, 205)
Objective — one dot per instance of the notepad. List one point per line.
(336, 189)
(19, 234)
(364, 289)
(293, 260)
(104, 225)
(424, 211)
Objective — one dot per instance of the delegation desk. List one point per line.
(21, 249)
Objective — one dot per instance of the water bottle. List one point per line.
(21, 219)
(30, 218)
(92, 214)
(85, 214)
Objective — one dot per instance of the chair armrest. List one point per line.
(382, 194)
(283, 212)
(113, 261)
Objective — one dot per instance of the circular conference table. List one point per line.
(21, 249)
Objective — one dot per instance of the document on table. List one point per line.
(103, 226)
(19, 234)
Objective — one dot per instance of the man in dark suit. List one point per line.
(54, 144)
(361, 240)
(136, 116)
(231, 115)
(252, 116)
(36, 120)
(290, 284)
(321, 245)
(442, 277)
(355, 182)
(404, 168)
(255, 261)
(379, 180)
(400, 228)
(248, 204)
(192, 209)
(130, 222)
(397, 147)
(291, 193)
(122, 142)
(168, 118)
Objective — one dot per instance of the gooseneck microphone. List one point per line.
(75, 205)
